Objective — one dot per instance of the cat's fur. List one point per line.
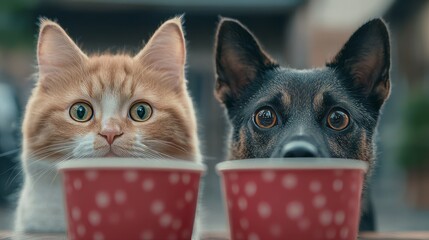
(111, 84)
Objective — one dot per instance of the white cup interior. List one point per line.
(127, 163)
(292, 163)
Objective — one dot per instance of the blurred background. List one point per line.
(299, 33)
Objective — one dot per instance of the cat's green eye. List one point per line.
(140, 111)
(81, 112)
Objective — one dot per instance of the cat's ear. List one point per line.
(55, 49)
(165, 53)
(365, 61)
(239, 60)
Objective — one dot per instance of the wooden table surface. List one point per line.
(223, 236)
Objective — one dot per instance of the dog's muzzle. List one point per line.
(302, 147)
(299, 149)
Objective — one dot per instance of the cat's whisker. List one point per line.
(140, 156)
(36, 159)
(52, 168)
(139, 150)
(146, 149)
(40, 175)
(163, 155)
(10, 152)
(51, 147)
(47, 153)
(168, 143)
(56, 164)
(84, 152)
(62, 143)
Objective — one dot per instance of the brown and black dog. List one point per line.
(280, 112)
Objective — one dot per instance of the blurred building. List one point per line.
(298, 33)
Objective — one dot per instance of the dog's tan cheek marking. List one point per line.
(239, 147)
(334, 147)
(286, 99)
(318, 101)
(364, 150)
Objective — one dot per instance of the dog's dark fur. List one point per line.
(356, 82)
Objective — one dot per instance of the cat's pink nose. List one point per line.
(110, 134)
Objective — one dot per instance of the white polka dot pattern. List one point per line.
(157, 207)
(176, 224)
(250, 189)
(235, 188)
(253, 236)
(337, 185)
(330, 234)
(304, 224)
(319, 201)
(122, 198)
(339, 217)
(289, 181)
(268, 176)
(102, 199)
(239, 236)
(275, 230)
(165, 220)
(77, 183)
(172, 236)
(283, 204)
(186, 178)
(189, 196)
(174, 178)
(294, 210)
(233, 176)
(344, 232)
(186, 234)
(81, 230)
(131, 176)
(315, 186)
(148, 185)
(264, 210)
(325, 217)
(94, 218)
(242, 203)
(91, 175)
(75, 212)
(98, 236)
(146, 235)
(244, 223)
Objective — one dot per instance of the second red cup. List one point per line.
(293, 198)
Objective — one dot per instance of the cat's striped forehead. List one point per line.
(114, 74)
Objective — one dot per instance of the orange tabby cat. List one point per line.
(101, 106)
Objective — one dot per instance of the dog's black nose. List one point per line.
(299, 149)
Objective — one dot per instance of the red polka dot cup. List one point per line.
(122, 198)
(292, 198)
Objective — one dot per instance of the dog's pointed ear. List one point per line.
(365, 61)
(239, 60)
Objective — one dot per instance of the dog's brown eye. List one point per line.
(265, 118)
(338, 119)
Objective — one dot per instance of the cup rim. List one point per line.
(292, 163)
(126, 163)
